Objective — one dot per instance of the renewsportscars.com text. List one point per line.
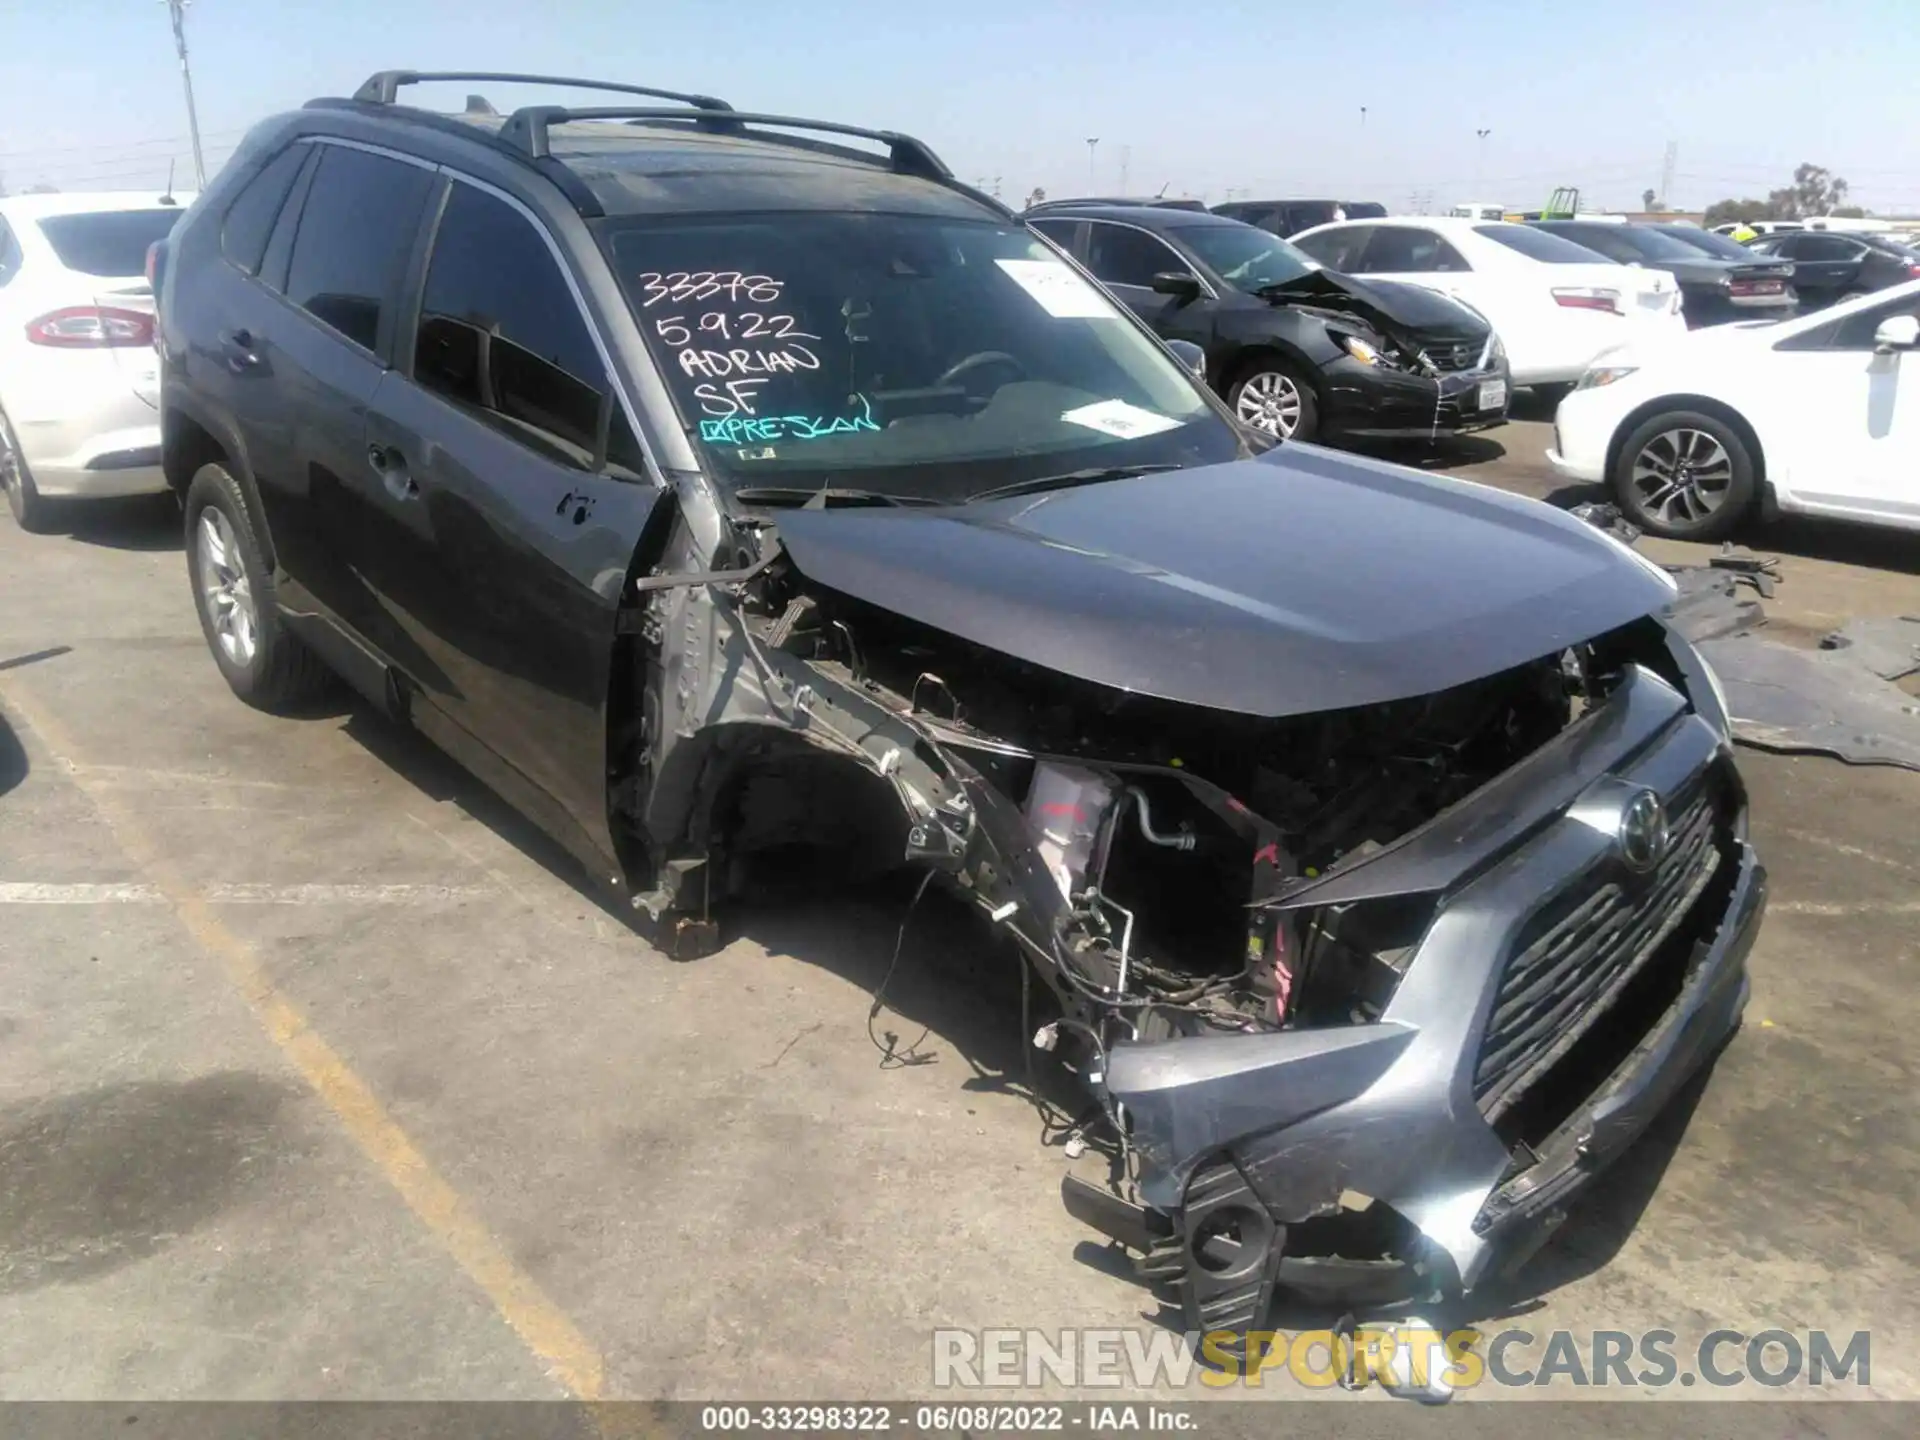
(1463, 1359)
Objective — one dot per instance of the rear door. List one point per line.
(1824, 266)
(505, 499)
(322, 347)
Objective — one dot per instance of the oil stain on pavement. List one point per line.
(98, 1179)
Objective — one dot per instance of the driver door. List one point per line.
(1860, 456)
(1125, 258)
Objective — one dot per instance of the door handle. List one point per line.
(391, 466)
(237, 347)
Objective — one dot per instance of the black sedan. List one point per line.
(1831, 265)
(1297, 350)
(1716, 287)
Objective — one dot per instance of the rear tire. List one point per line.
(1277, 397)
(31, 510)
(264, 663)
(1685, 475)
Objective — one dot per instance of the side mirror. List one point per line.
(1191, 356)
(1897, 332)
(1178, 284)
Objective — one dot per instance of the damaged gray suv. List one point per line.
(710, 483)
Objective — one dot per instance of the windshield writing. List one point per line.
(906, 355)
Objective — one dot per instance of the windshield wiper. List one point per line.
(812, 499)
(1067, 481)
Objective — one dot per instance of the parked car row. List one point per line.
(714, 486)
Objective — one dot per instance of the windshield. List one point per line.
(1707, 242)
(1246, 258)
(1539, 245)
(110, 243)
(914, 356)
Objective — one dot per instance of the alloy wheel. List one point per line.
(1682, 476)
(224, 583)
(1270, 401)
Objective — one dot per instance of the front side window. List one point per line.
(108, 243)
(1856, 331)
(1121, 255)
(1058, 231)
(357, 229)
(502, 336)
(1247, 259)
(916, 356)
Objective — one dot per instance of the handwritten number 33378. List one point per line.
(684, 285)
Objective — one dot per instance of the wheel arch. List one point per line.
(188, 441)
(1703, 404)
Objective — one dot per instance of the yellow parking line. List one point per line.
(569, 1357)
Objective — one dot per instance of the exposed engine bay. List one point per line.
(1166, 827)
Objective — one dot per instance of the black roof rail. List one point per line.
(527, 129)
(383, 87)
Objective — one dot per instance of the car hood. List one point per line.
(1408, 310)
(1305, 580)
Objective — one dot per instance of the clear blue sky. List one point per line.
(1264, 98)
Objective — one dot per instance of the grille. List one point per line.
(1451, 355)
(1566, 976)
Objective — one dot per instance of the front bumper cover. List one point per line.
(1252, 1145)
(1368, 402)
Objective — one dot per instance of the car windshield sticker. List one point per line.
(1059, 289)
(1117, 417)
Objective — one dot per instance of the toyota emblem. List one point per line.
(1643, 832)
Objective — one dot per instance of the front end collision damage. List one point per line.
(1297, 1072)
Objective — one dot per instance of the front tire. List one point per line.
(1275, 396)
(264, 663)
(31, 511)
(1685, 475)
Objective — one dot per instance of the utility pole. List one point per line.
(1480, 157)
(1126, 162)
(1092, 142)
(177, 12)
(1665, 199)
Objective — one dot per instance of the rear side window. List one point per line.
(9, 253)
(111, 243)
(1603, 242)
(1405, 250)
(243, 239)
(1538, 245)
(356, 231)
(502, 336)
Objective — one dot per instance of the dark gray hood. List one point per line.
(1305, 580)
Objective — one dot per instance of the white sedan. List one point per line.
(1819, 415)
(1554, 304)
(79, 380)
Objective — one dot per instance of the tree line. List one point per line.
(1815, 191)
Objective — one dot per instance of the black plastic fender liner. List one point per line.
(1134, 1226)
